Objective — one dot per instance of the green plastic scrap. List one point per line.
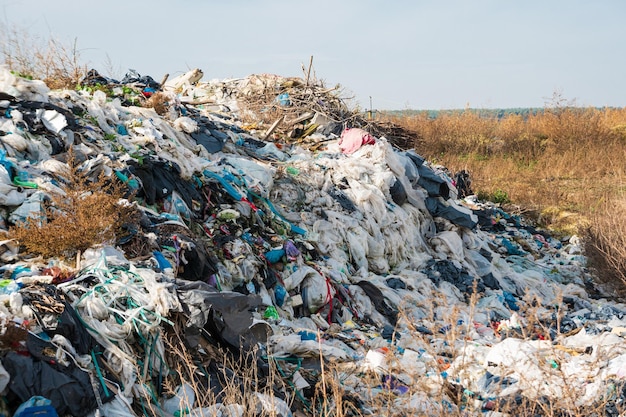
(23, 182)
(271, 313)
(292, 170)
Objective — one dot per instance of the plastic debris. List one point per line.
(275, 223)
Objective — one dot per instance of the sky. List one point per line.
(394, 54)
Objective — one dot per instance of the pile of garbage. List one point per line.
(289, 259)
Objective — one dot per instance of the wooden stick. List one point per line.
(198, 102)
(302, 118)
(308, 74)
(273, 127)
(165, 77)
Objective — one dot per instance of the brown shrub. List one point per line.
(159, 102)
(87, 214)
(49, 60)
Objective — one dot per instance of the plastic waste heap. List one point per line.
(279, 231)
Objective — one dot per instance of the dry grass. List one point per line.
(219, 379)
(159, 102)
(541, 161)
(50, 60)
(347, 389)
(444, 382)
(88, 213)
(606, 246)
(564, 166)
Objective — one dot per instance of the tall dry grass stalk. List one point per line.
(223, 383)
(606, 243)
(56, 63)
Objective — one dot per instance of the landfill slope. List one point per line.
(274, 222)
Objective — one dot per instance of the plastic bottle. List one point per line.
(3, 159)
(8, 165)
(121, 130)
(283, 99)
(275, 255)
(36, 406)
(179, 206)
(131, 182)
(170, 216)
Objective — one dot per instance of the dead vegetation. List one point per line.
(292, 108)
(89, 211)
(563, 166)
(606, 244)
(58, 64)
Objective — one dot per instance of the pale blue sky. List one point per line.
(404, 54)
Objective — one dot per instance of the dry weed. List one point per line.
(51, 61)
(219, 379)
(88, 213)
(159, 102)
(606, 243)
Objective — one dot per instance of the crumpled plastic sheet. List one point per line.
(409, 261)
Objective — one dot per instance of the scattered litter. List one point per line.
(277, 225)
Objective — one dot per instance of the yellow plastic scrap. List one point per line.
(349, 324)
(309, 130)
(619, 330)
(250, 126)
(570, 351)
